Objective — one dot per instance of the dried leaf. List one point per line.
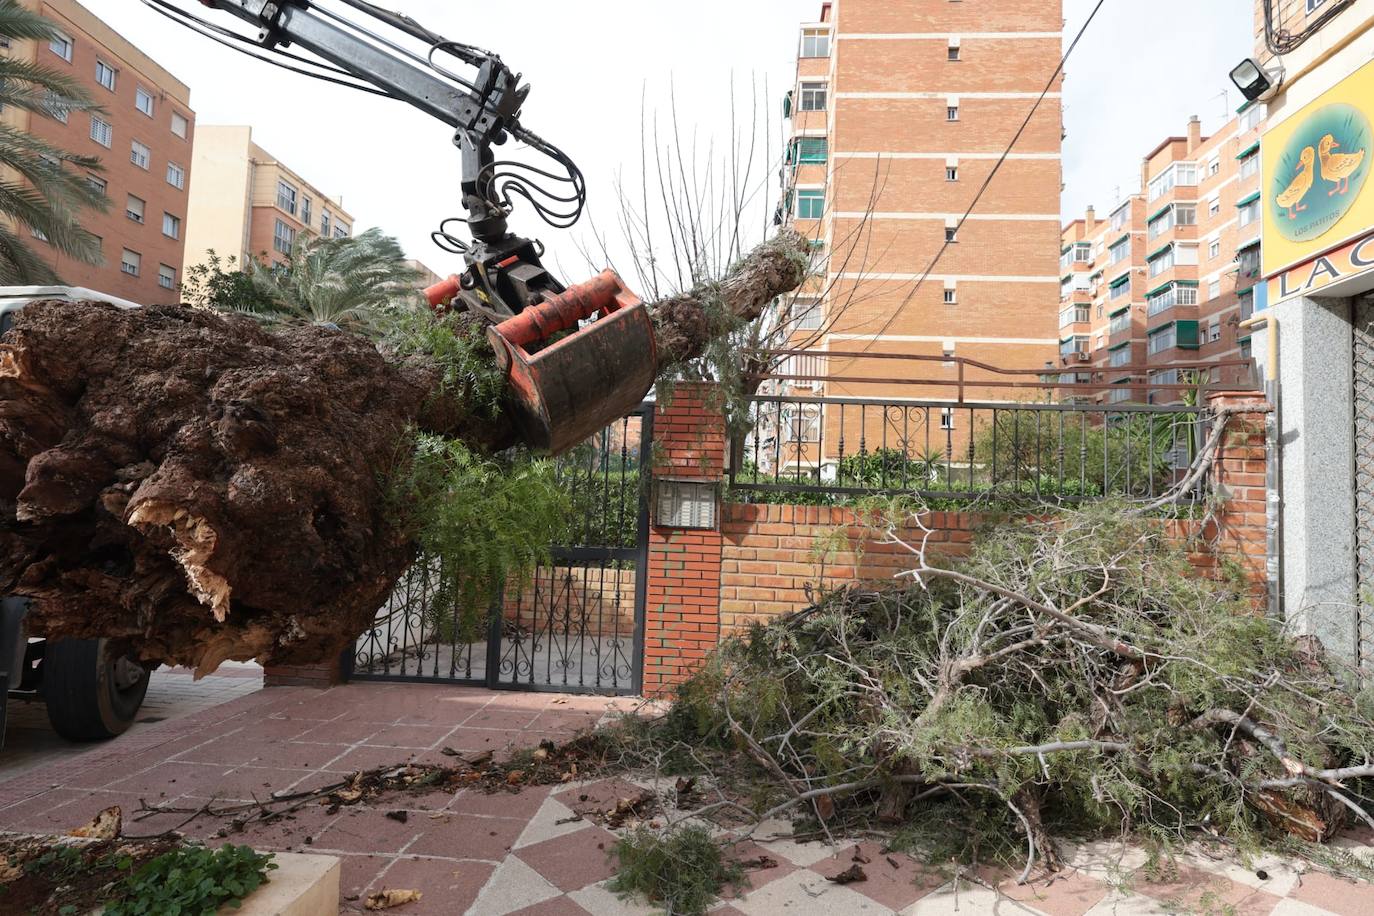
(386, 899)
(825, 807)
(515, 777)
(850, 875)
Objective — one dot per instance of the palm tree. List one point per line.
(336, 281)
(42, 187)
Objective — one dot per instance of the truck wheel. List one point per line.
(92, 694)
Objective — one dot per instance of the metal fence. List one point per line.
(833, 449)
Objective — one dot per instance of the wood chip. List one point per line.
(105, 826)
(386, 899)
(850, 875)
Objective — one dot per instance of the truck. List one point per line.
(92, 690)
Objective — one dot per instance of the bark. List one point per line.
(202, 489)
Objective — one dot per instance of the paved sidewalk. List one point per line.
(30, 741)
(528, 853)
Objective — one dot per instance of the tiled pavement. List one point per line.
(30, 742)
(526, 853)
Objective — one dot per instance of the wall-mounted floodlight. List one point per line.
(1254, 81)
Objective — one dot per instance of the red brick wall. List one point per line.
(682, 609)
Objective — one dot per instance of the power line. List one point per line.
(1049, 84)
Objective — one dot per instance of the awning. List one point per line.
(1124, 278)
(1124, 238)
(1163, 327)
(1124, 343)
(1158, 252)
(1160, 212)
(1248, 150)
(1124, 308)
(1245, 246)
(1248, 200)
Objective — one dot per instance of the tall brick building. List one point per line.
(1167, 277)
(247, 203)
(143, 136)
(900, 112)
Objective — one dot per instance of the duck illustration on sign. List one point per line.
(1338, 167)
(1291, 198)
(1311, 153)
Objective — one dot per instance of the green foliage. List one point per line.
(682, 870)
(220, 283)
(193, 881)
(479, 520)
(891, 467)
(947, 679)
(46, 189)
(459, 345)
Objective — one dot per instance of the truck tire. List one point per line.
(91, 693)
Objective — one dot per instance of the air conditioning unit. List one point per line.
(1084, 356)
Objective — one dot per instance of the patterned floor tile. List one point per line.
(805, 893)
(1337, 895)
(553, 819)
(892, 879)
(512, 887)
(573, 863)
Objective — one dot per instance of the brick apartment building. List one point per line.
(143, 136)
(1167, 277)
(901, 110)
(246, 203)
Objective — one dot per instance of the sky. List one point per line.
(596, 67)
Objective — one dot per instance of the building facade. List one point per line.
(1167, 279)
(143, 135)
(247, 204)
(901, 110)
(1317, 339)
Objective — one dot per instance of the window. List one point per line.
(1214, 289)
(1161, 224)
(180, 126)
(1252, 117)
(815, 43)
(1163, 339)
(176, 176)
(1248, 212)
(1245, 348)
(1119, 251)
(171, 226)
(61, 45)
(1313, 4)
(324, 223)
(802, 423)
(105, 75)
(806, 315)
(812, 150)
(1185, 215)
(954, 52)
(130, 262)
(1249, 261)
(101, 132)
(1214, 207)
(1074, 314)
(1121, 321)
(340, 230)
(1082, 253)
(1213, 249)
(811, 203)
(282, 237)
(1117, 395)
(813, 96)
(952, 113)
(140, 155)
(946, 417)
(951, 173)
(286, 196)
(1178, 174)
(951, 234)
(1122, 214)
(1246, 300)
(1214, 331)
(56, 107)
(1121, 288)
(306, 205)
(1163, 263)
(98, 185)
(134, 208)
(166, 276)
(1213, 168)
(143, 101)
(951, 297)
(1249, 164)
(1121, 356)
(1174, 295)
(1164, 377)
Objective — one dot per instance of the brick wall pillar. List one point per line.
(322, 674)
(682, 609)
(1239, 530)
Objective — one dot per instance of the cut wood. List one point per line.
(203, 489)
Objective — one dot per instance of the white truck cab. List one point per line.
(91, 691)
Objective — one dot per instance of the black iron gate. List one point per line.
(576, 625)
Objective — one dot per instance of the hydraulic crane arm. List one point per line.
(565, 390)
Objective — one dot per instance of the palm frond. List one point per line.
(20, 265)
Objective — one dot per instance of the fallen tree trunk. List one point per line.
(202, 489)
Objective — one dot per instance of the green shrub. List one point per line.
(194, 881)
(683, 870)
